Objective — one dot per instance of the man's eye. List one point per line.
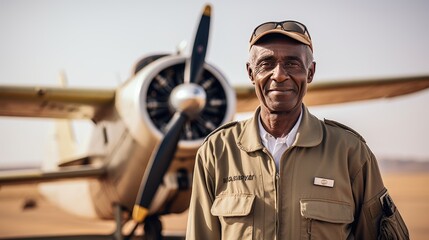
(265, 64)
(292, 64)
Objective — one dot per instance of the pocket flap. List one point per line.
(232, 205)
(328, 211)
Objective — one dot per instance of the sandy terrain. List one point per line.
(409, 191)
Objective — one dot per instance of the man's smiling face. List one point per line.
(280, 69)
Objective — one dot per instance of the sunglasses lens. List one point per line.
(264, 27)
(294, 27)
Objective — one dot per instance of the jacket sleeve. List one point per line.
(376, 215)
(201, 223)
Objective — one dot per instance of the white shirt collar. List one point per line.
(289, 139)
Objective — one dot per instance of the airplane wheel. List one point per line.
(152, 228)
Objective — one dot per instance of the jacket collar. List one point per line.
(310, 132)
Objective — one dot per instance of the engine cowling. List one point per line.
(146, 105)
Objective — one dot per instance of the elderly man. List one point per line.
(284, 174)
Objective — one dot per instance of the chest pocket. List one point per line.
(324, 219)
(234, 213)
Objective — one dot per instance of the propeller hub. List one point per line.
(188, 98)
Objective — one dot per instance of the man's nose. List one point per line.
(279, 73)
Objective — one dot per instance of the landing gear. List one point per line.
(152, 228)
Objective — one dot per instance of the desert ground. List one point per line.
(409, 191)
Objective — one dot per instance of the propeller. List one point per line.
(194, 65)
(187, 100)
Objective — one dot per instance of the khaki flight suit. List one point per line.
(328, 186)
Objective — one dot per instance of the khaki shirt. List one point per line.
(328, 186)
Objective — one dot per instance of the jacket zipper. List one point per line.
(277, 204)
(309, 228)
(276, 182)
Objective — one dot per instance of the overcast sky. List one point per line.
(97, 42)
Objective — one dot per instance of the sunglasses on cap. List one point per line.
(291, 28)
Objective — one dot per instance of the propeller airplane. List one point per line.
(150, 127)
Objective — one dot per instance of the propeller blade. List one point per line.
(194, 65)
(157, 166)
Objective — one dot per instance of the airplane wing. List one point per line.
(55, 102)
(342, 92)
(80, 103)
(36, 175)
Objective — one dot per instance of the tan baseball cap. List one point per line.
(289, 28)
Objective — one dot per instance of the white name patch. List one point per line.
(324, 182)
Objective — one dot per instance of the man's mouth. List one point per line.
(281, 90)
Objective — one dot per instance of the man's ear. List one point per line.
(311, 72)
(250, 73)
